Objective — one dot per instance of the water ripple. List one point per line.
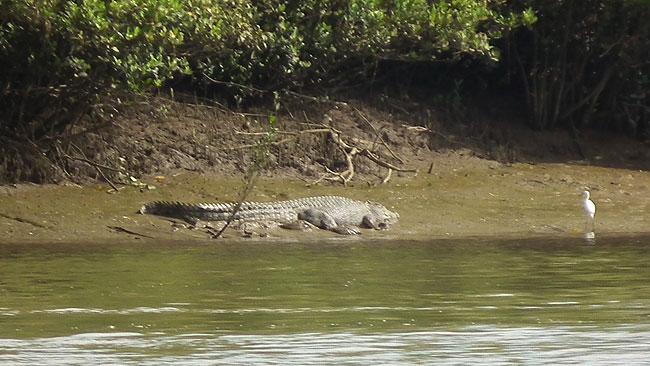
(473, 345)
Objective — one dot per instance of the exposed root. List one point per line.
(351, 150)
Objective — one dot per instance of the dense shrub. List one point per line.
(578, 62)
(57, 57)
(586, 62)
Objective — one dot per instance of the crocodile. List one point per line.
(337, 214)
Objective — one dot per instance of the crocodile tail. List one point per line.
(165, 208)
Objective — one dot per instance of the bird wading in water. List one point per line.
(589, 209)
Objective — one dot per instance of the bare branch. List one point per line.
(236, 85)
(95, 165)
(379, 136)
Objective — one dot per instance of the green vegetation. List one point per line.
(574, 63)
(57, 57)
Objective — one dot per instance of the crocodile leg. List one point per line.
(298, 225)
(324, 221)
(370, 222)
(346, 230)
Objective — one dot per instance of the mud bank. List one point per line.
(461, 197)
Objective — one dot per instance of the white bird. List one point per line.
(589, 209)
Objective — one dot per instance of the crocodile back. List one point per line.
(345, 211)
(220, 211)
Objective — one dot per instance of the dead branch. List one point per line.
(119, 229)
(387, 177)
(349, 149)
(93, 164)
(293, 135)
(417, 128)
(265, 133)
(347, 175)
(370, 155)
(378, 135)
(274, 143)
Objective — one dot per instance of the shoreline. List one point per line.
(463, 198)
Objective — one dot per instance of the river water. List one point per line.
(344, 301)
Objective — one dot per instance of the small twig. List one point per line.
(379, 136)
(42, 155)
(24, 221)
(247, 114)
(387, 177)
(370, 155)
(264, 133)
(350, 151)
(61, 155)
(250, 183)
(417, 128)
(260, 158)
(399, 108)
(428, 130)
(216, 105)
(237, 85)
(219, 107)
(315, 130)
(123, 230)
(94, 164)
(289, 111)
(274, 143)
(314, 124)
(347, 175)
(279, 142)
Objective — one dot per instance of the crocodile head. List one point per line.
(383, 216)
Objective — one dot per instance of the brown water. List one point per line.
(538, 301)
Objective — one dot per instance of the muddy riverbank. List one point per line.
(462, 196)
(486, 176)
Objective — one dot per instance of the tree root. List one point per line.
(350, 151)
